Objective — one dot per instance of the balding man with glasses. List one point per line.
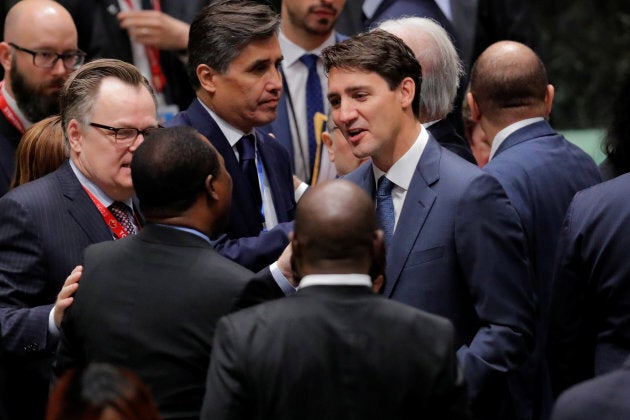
(107, 107)
(38, 54)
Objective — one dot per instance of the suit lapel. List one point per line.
(416, 208)
(81, 207)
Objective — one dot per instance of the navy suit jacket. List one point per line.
(540, 172)
(44, 227)
(590, 316)
(458, 251)
(601, 398)
(390, 9)
(244, 241)
(445, 134)
(9, 139)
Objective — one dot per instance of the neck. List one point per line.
(402, 142)
(206, 99)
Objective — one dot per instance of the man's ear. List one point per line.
(408, 90)
(5, 56)
(207, 77)
(327, 139)
(549, 94)
(212, 192)
(74, 133)
(475, 112)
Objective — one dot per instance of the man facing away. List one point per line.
(538, 168)
(38, 52)
(455, 244)
(307, 28)
(106, 108)
(233, 63)
(334, 350)
(151, 302)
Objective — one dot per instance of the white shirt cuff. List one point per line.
(281, 281)
(52, 328)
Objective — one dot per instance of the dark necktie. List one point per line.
(314, 103)
(247, 158)
(122, 213)
(385, 208)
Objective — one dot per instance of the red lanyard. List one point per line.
(153, 54)
(117, 229)
(8, 112)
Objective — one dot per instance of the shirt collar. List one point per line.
(12, 103)
(335, 280)
(507, 131)
(231, 133)
(292, 52)
(96, 191)
(187, 229)
(403, 169)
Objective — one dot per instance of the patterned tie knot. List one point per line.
(122, 213)
(310, 61)
(246, 148)
(384, 187)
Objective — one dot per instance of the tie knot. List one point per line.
(119, 206)
(246, 148)
(384, 187)
(310, 61)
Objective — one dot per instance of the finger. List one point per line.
(63, 304)
(67, 291)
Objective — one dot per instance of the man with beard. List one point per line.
(307, 28)
(38, 53)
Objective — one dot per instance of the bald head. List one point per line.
(334, 229)
(38, 16)
(509, 79)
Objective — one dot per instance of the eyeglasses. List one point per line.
(48, 59)
(125, 136)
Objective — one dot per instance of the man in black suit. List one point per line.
(38, 54)
(234, 65)
(106, 108)
(441, 72)
(334, 350)
(151, 302)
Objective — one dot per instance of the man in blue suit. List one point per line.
(233, 64)
(455, 244)
(307, 28)
(538, 168)
(589, 333)
(106, 108)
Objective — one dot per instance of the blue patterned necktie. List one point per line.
(122, 213)
(385, 208)
(247, 156)
(314, 103)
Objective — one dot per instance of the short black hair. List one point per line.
(169, 170)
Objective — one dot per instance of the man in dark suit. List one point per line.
(455, 244)
(150, 303)
(333, 351)
(134, 30)
(38, 53)
(233, 63)
(307, 28)
(538, 168)
(46, 224)
(441, 72)
(590, 328)
(602, 398)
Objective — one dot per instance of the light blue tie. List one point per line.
(385, 208)
(314, 103)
